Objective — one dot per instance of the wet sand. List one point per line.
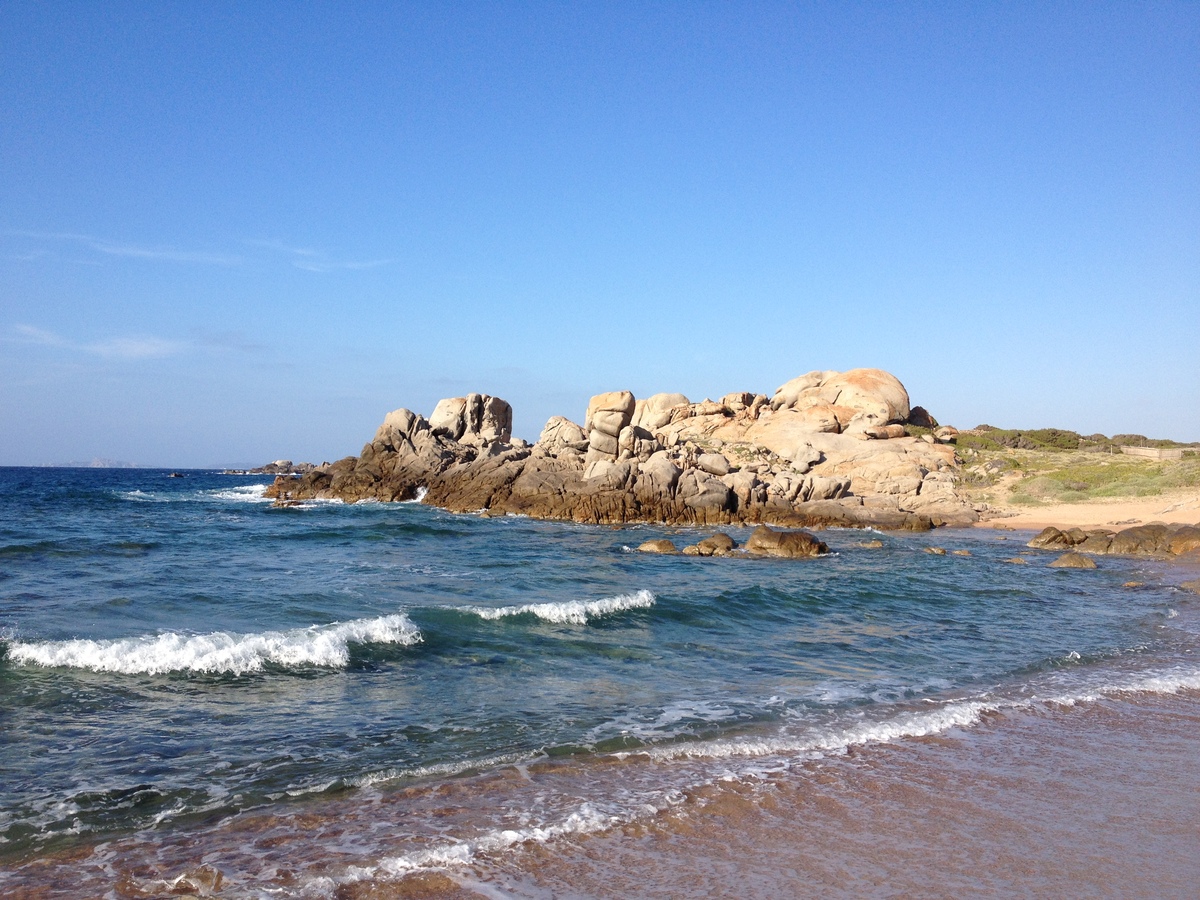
(1101, 800)
(1097, 799)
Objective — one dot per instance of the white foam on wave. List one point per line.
(243, 493)
(1170, 681)
(586, 819)
(218, 652)
(442, 770)
(681, 717)
(959, 714)
(569, 612)
(139, 496)
(920, 723)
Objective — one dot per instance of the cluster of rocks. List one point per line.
(763, 541)
(828, 448)
(278, 467)
(1155, 539)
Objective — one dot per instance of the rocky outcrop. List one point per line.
(1156, 539)
(278, 467)
(763, 542)
(829, 449)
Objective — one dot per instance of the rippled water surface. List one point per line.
(179, 658)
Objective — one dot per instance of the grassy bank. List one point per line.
(1032, 477)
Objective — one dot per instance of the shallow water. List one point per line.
(306, 701)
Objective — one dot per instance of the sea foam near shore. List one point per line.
(218, 652)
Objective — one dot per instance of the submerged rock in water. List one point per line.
(660, 545)
(766, 541)
(1073, 561)
(716, 545)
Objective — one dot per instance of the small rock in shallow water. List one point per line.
(717, 545)
(1018, 560)
(766, 541)
(871, 545)
(936, 551)
(962, 552)
(1133, 584)
(1193, 586)
(661, 545)
(1073, 561)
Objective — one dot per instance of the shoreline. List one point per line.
(1179, 508)
(984, 812)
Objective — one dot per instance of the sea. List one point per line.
(203, 694)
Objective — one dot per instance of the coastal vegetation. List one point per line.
(1046, 473)
(987, 437)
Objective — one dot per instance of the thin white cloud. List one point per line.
(28, 334)
(306, 258)
(311, 260)
(132, 347)
(229, 340)
(281, 247)
(134, 251)
(135, 348)
(317, 266)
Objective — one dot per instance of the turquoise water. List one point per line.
(176, 653)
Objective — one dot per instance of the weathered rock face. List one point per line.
(654, 412)
(856, 400)
(607, 415)
(561, 432)
(737, 460)
(474, 419)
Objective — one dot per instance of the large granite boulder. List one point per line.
(607, 414)
(562, 432)
(655, 411)
(871, 396)
(766, 541)
(473, 419)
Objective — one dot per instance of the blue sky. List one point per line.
(231, 233)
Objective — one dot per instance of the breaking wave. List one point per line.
(920, 723)
(569, 612)
(218, 652)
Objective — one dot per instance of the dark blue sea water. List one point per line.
(179, 658)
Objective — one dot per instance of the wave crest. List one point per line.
(569, 612)
(218, 652)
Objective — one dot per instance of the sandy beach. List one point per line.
(1178, 508)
